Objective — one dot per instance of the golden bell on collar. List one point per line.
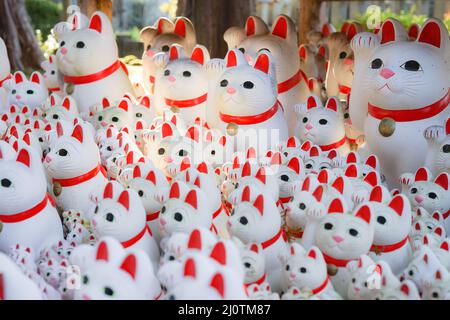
(174, 109)
(70, 88)
(386, 127)
(232, 129)
(57, 189)
(332, 270)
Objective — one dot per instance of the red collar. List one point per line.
(95, 76)
(258, 282)
(54, 89)
(274, 239)
(292, 81)
(321, 287)
(285, 200)
(336, 262)
(445, 215)
(248, 120)
(344, 89)
(351, 140)
(4, 80)
(27, 214)
(388, 248)
(152, 216)
(138, 237)
(335, 145)
(411, 114)
(186, 103)
(80, 179)
(298, 234)
(218, 211)
(213, 229)
(158, 296)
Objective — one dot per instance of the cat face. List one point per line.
(341, 58)
(317, 160)
(50, 72)
(361, 271)
(253, 262)
(407, 291)
(345, 236)
(66, 110)
(439, 290)
(289, 175)
(442, 161)
(119, 117)
(24, 92)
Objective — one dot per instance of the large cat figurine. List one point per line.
(5, 73)
(89, 60)
(400, 89)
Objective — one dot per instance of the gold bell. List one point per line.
(70, 88)
(232, 129)
(57, 189)
(174, 109)
(1, 226)
(332, 269)
(386, 127)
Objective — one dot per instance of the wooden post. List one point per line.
(88, 7)
(308, 18)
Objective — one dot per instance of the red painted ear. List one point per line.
(189, 268)
(447, 127)
(251, 153)
(318, 193)
(413, 31)
(78, 133)
(52, 100)
(102, 251)
(145, 101)
(351, 31)
(306, 184)
(209, 136)
(193, 134)
(231, 59)
(312, 254)
(259, 204)
(338, 184)
(96, 23)
(185, 164)
(323, 176)
(425, 258)
(280, 28)
(223, 140)
(372, 161)
(442, 180)
(66, 103)
(261, 175)
(250, 27)
(255, 249)
(136, 172)
(444, 246)
(35, 78)
(345, 27)
(36, 125)
(438, 231)
(405, 289)
(197, 182)
(425, 239)
(376, 195)
(306, 146)
(59, 129)
(322, 52)
(139, 125)
(352, 158)
(302, 52)
(26, 139)
(218, 283)
(219, 254)
(438, 275)
(397, 204)
(294, 164)
(151, 177)
(24, 157)
(195, 240)
(173, 54)
(124, 105)
(180, 28)
(364, 213)
(105, 103)
(311, 102)
(351, 171)
(332, 104)
(262, 63)
(246, 194)
(174, 191)
(417, 226)
(291, 143)
(129, 265)
(191, 198)
(203, 168)
(387, 32)
(18, 77)
(292, 251)
(421, 175)
(166, 130)
(276, 159)
(431, 34)
(336, 206)
(246, 170)
(124, 199)
(371, 178)
(130, 157)
(198, 56)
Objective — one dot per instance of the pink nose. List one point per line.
(229, 223)
(419, 199)
(94, 223)
(308, 126)
(172, 79)
(18, 97)
(150, 53)
(387, 73)
(163, 222)
(231, 90)
(48, 159)
(63, 50)
(168, 159)
(104, 124)
(357, 289)
(348, 62)
(338, 239)
(292, 275)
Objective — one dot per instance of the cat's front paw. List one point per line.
(406, 179)
(315, 211)
(359, 197)
(215, 67)
(364, 43)
(434, 133)
(361, 140)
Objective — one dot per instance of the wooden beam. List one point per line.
(88, 7)
(308, 19)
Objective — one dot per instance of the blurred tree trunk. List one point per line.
(88, 7)
(18, 34)
(309, 18)
(212, 18)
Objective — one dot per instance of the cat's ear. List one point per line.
(255, 26)
(318, 193)
(323, 176)
(259, 204)
(175, 52)
(294, 164)
(191, 198)
(59, 129)
(102, 251)
(124, 104)
(352, 171)
(19, 77)
(392, 30)
(364, 213)
(254, 248)
(185, 29)
(124, 199)
(336, 206)
(78, 133)
(67, 103)
(442, 180)
(203, 167)
(332, 104)
(166, 130)
(219, 253)
(313, 101)
(174, 191)
(376, 195)
(246, 169)
(36, 77)
(284, 28)
(397, 204)
(434, 33)
(193, 134)
(372, 161)
(422, 174)
(200, 54)
(352, 30)
(246, 194)
(218, 284)
(190, 269)
(145, 101)
(338, 184)
(262, 63)
(100, 22)
(195, 240)
(372, 178)
(413, 31)
(261, 175)
(151, 177)
(23, 157)
(314, 151)
(164, 25)
(129, 265)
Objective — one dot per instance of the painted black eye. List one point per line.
(6, 183)
(62, 44)
(53, 72)
(149, 47)
(223, 83)
(381, 220)
(328, 226)
(62, 152)
(323, 122)
(30, 92)
(309, 166)
(413, 190)
(138, 115)
(165, 48)
(248, 85)
(411, 273)
(187, 74)
(96, 210)
(302, 270)
(243, 220)
(110, 217)
(305, 120)
(161, 151)
(109, 148)
(171, 258)
(346, 115)
(435, 295)
(80, 45)
(100, 118)
(284, 177)
(242, 50)
(287, 267)
(163, 209)
(213, 152)
(377, 64)
(85, 280)
(366, 284)
(55, 116)
(109, 291)
(353, 280)
(446, 148)
(178, 217)
(115, 119)
(167, 72)
(182, 153)
(171, 297)
(432, 195)
(41, 140)
(411, 65)
(342, 55)
(14, 91)
(247, 265)
(302, 206)
(141, 193)
(236, 185)
(353, 232)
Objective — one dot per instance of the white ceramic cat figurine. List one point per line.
(51, 75)
(88, 58)
(438, 154)
(401, 88)
(26, 92)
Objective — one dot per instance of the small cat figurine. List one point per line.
(439, 289)
(51, 74)
(438, 154)
(406, 291)
(26, 92)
